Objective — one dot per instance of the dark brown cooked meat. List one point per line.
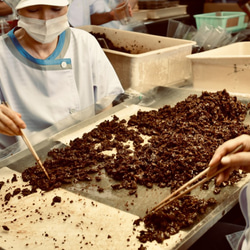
(182, 140)
(170, 219)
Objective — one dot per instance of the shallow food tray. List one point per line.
(167, 12)
(154, 14)
(111, 206)
(153, 61)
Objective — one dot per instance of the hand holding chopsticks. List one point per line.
(187, 188)
(30, 147)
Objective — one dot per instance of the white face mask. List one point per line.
(44, 31)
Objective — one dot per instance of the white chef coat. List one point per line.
(76, 76)
(79, 12)
(100, 6)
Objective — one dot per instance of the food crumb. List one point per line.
(5, 228)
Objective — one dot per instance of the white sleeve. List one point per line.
(79, 13)
(99, 6)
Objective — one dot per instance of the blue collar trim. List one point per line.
(47, 61)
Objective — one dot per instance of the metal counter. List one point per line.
(119, 199)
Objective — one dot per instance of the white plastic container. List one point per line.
(153, 61)
(227, 68)
(154, 14)
(167, 12)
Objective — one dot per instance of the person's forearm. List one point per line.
(5, 9)
(101, 18)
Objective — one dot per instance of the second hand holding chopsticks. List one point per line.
(176, 194)
(30, 147)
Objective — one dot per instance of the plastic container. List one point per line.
(153, 61)
(227, 68)
(231, 21)
(154, 14)
(151, 4)
(167, 12)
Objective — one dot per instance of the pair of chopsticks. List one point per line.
(185, 188)
(30, 147)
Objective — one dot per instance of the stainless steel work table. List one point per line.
(119, 199)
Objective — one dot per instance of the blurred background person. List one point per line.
(8, 18)
(5, 9)
(94, 12)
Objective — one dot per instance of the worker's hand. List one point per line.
(10, 121)
(118, 12)
(240, 160)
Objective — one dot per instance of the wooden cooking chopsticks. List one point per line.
(33, 152)
(185, 188)
(30, 147)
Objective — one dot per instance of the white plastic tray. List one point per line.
(153, 61)
(227, 68)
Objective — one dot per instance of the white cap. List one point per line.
(19, 4)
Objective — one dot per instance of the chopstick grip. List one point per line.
(176, 194)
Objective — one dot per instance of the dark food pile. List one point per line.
(182, 140)
(170, 219)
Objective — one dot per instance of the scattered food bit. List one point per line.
(14, 178)
(142, 247)
(26, 192)
(1, 184)
(5, 228)
(16, 191)
(100, 190)
(7, 197)
(132, 192)
(56, 199)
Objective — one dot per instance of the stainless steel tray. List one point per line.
(147, 198)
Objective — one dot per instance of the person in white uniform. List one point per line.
(49, 71)
(87, 12)
(227, 235)
(94, 12)
(79, 13)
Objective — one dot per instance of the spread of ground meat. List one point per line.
(5, 228)
(170, 219)
(182, 140)
(56, 199)
(1, 184)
